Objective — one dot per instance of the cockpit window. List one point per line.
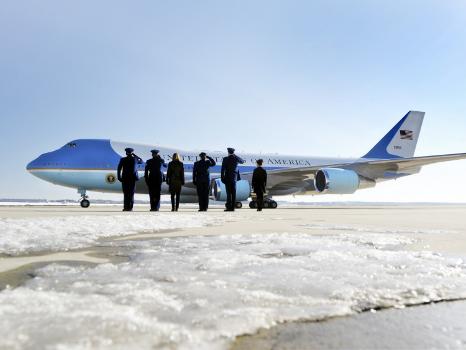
(71, 144)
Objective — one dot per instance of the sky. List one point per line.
(325, 78)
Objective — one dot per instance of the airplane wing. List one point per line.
(399, 164)
(372, 169)
(393, 168)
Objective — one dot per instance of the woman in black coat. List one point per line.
(175, 180)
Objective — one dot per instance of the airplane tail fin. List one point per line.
(401, 141)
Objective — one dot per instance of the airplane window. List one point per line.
(71, 144)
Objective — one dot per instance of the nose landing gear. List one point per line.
(85, 203)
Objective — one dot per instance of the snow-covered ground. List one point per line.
(200, 292)
(361, 229)
(70, 232)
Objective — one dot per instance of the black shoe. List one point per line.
(173, 209)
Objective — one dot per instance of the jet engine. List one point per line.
(340, 181)
(219, 193)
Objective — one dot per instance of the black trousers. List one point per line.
(203, 195)
(175, 198)
(260, 199)
(128, 194)
(154, 195)
(230, 187)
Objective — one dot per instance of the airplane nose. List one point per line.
(44, 166)
(44, 161)
(31, 165)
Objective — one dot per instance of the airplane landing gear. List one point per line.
(85, 203)
(268, 204)
(238, 205)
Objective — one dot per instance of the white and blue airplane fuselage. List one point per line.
(91, 165)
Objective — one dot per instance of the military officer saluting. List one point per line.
(128, 175)
(229, 176)
(259, 182)
(201, 179)
(154, 177)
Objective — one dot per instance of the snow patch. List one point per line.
(201, 292)
(71, 232)
(346, 228)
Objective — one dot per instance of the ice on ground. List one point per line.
(71, 232)
(355, 228)
(201, 292)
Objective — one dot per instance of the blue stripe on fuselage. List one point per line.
(96, 154)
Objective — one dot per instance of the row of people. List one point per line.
(128, 175)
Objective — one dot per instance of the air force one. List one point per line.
(91, 164)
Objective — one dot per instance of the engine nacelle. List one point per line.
(219, 193)
(340, 181)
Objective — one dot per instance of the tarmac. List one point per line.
(434, 326)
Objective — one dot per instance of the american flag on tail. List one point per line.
(406, 134)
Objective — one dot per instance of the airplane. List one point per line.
(90, 165)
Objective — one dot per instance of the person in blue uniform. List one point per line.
(128, 175)
(229, 176)
(259, 182)
(175, 180)
(154, 177)
(201, 179)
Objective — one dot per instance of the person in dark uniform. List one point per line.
(128, 175)
(229, 176)
(175, 180)
(201, 179)
(259, 182)
(154, 177)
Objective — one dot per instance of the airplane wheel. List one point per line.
(238, 205)
(273, 205)
(85, 203)
(253, 204)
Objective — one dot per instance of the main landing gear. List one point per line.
(238, 205)
(85, 203)
(268, 204)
